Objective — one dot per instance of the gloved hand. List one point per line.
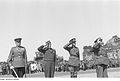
(11, 67)
(70, 41)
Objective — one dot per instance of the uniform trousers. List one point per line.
(20, 71)
(73, 71)
(101, 71)
(49, 69)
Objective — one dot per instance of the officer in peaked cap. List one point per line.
(74, 57)
(101, 58)
(48, 42)
(18, 59)
(98, 40)
(49, 59)
(18, 39)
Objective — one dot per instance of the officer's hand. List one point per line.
(11, 67)
(70, 41)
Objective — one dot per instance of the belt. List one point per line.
(18, 56)
(74, 55)
(48, 60)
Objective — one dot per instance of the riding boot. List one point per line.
(75, 74)
(72, 75)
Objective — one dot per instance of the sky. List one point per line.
(37, 21)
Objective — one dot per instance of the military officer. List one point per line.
(74, 57)
(49, 59)
(18, 59)
(101, 59)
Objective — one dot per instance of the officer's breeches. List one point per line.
(49, 68)
(73, 71)
(101, 71)
(20, 72)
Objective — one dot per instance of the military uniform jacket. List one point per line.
(74, 56)
(17, 57)
(100, 55)
(49, 53)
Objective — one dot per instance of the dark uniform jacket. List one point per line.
(49, 53)
(100, 54)
(74, 56)
(17, 57)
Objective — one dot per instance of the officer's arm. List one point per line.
(54, 55)
(95, 46)
(10, 57)
(67, 47)
(42, 49)
(78, 55)
(25, 56)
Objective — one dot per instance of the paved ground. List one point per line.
(112, 73)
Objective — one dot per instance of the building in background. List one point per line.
(88, 57)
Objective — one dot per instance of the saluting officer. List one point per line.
(49, 59)
(74, 57)
(18, 59)
(101, 58)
